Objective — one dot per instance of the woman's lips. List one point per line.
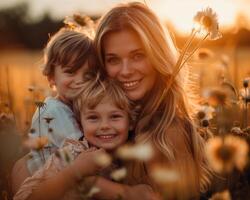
(129, 85)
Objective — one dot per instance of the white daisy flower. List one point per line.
(103, 159)
(164, 175)
(37, 143)
(119, 174)
(207, 21)
(142, 152)
(93, 191)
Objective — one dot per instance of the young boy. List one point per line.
(106, 119)
(67, 56)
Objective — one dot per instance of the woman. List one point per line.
(134, 49)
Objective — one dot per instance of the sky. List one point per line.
(179, 12)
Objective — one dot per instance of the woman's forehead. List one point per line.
(125, 40)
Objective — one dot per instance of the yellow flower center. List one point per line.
(206, 21)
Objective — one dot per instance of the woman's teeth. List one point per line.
(130, 84)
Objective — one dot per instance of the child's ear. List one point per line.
(51, 81)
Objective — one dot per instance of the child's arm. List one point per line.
(111, 191)
(48, 183)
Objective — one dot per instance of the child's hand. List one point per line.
(86, 164)
(141, 191)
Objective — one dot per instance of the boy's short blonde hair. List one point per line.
(94, 90)
(68, 48)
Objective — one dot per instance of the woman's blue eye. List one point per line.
(113, 60)
(138, 56)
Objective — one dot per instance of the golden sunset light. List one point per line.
(124, 99)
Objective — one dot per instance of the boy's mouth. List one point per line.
(107, 137)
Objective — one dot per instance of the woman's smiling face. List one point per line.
(126, 60)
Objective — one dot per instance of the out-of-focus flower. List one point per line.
(247, 130)
(31, 88)
(92, 191)
(36, 143)
(204, 123)
(143, 152)
(225, 60)
(246, 82)
(205, 112)
(225, 154)
(80, 22)
(32, 130)
(245, 95)
(217, 97)
(207, 21)
(236, 131)
(6, 117)
(225, 195)
(119, 174)
(103, 159)
(204, 53)
(164, 175)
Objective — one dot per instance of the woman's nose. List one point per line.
(126, 68)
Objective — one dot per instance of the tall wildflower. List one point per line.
(205, 24)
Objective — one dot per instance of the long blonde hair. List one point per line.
(162, 110)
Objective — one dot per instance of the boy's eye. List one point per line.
(113, 60)
(92, 117)
(69, 72)
(116, 116)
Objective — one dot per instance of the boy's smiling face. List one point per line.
(68, 82)
(105, 126)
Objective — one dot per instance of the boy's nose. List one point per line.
(78, 79)
(104, 125)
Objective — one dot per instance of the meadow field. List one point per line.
(223, 118)
(21, 79)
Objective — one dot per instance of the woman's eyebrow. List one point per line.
(136, 50)
(110, 54)
(131, 52)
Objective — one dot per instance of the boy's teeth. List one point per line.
(106, 136)
(130, 84)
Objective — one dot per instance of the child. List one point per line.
(67, 56)
(106, 118)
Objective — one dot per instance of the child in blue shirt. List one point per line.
(67, 56)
